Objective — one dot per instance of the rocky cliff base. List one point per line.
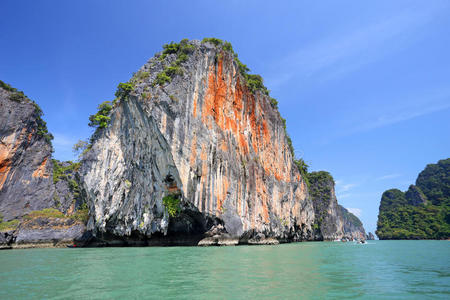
(42, 232)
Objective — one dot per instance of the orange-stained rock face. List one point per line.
(25, 182)
(223, 145)
(8, 149)
(231, 150)
(41, 171)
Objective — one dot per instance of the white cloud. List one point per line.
(342, 187)
(346, 187)
(343, 196)
(389, 176)
(356, 211)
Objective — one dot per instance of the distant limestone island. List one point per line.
(423, 211)
(192, 151)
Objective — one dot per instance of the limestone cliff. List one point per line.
(329, 222)
(192, 125)
(25, 156)
(332, 221)
(353, 227)
(192, 151)
(29, 191)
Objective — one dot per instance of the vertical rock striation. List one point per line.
(221, 144)
(29, 193)
(192, 151)
(25, 156)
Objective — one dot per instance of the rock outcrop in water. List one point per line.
(328, 218)
(193, 151)
(332, 221)
(423, 211)
(353, 227)
(204, 136)
(25, 156)
(28, 188)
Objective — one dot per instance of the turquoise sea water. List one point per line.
(314, 270)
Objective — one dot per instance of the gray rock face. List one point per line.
(333, 221)
(205, 137)
(44, 230)
(25, 168)
(26, 177)
(127, 173)
(415, 196)
(353, 228)
(67, 197)
(370, 236)
(328, 216)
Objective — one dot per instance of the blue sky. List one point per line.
(364, 85)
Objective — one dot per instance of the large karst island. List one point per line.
(192, 151)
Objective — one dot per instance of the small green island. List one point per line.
(423, 211)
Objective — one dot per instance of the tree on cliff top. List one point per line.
(101, 118)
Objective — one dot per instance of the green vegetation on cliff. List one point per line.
(182, 50)
(81, 214)
(321, 184)
(101, 118)
(254, 82)
(123, 90)
(423, 212)
(303, 168)
(9, 225)
(320, 188)
(172, 204)
(61, 171)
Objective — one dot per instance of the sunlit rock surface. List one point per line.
(206, 137)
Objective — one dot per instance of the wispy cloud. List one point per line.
(356, 211)
(374, 115)
(389, 176)
(414, 110)
(343, 196)
(343, 187)
(63, 146)
(337, 55)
